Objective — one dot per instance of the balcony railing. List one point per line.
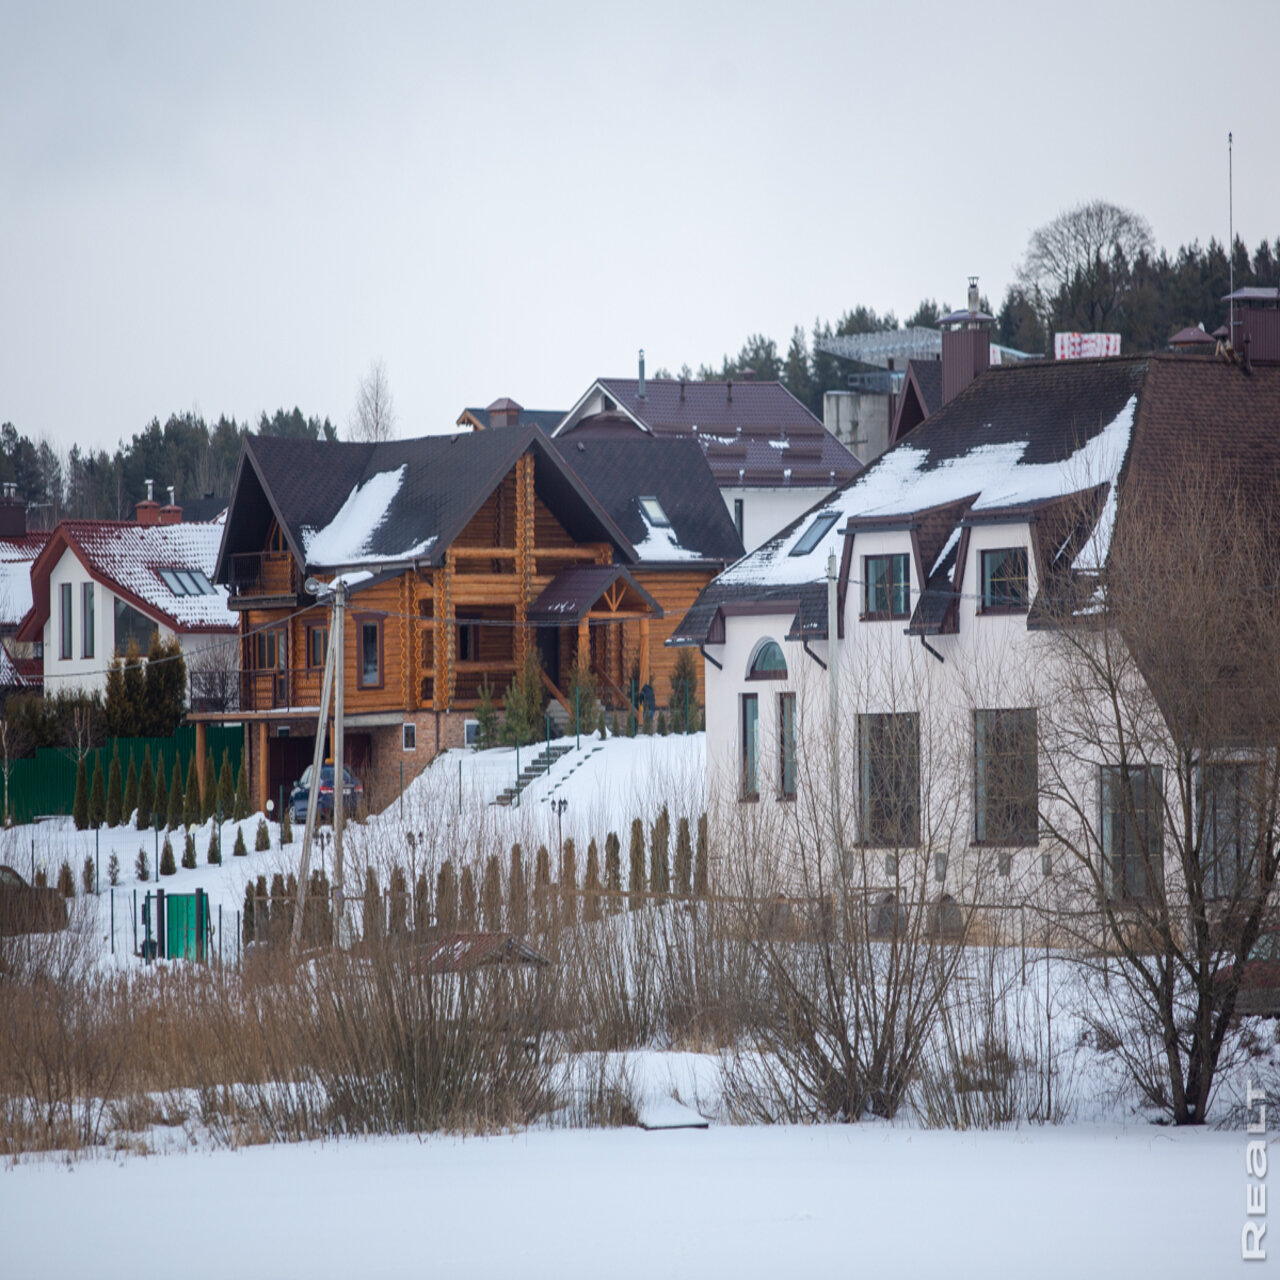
(265, 573)
(274, 689)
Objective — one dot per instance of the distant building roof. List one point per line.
(1192, 336)
(753, 434)
(506, 412)
(17, 555)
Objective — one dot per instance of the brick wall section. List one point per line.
(382, 782)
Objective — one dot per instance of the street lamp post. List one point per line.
(558, 807)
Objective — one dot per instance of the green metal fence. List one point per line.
(46, 783)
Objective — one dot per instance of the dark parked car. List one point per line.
(353, 792)
(1259, 994)
(24, 908)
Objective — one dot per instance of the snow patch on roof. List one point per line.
(345, 539)
(16, 557)
(660, 545)
(899, 485)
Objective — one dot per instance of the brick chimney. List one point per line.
(171, 513)
(13, 513)
(966, 345)
(148, 510)
(1257, 316)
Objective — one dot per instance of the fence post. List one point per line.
(113, 919)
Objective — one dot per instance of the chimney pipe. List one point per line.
(640, 393)
(730, 384)
(681, 388)
(151, 485)
(973, 293)
(1247, 363)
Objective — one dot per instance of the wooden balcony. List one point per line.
(263, 580)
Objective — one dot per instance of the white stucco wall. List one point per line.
(766, 511)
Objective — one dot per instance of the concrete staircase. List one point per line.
(537, 766)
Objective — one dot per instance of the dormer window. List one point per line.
(186, 582)
(654, 513)
(886, 587)
(1004, 581)
(814, 534)
(768, 663)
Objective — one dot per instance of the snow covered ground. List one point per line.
(866, 1200)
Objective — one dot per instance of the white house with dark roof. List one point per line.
(99, 586)
(771, 458)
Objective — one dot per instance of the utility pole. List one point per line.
(337, 635)
(833, 689)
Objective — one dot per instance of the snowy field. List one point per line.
(854, 1200)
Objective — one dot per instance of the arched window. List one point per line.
(767, 663)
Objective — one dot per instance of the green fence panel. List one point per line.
(45, 784)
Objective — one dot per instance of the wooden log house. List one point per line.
(459, 553)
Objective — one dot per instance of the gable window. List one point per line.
(739, 508)
(768, 663)
(1132, 832)
(1228, 796)
(132, 629)
(787, 745)
(887, 587)
(749, 727)
(64, 620)
(814, 534)
(1005, 779)
(317, 645)
(1004, 580)
(275, 538)
(86, 620)
(370, 654)
(654, 513)
(889, 778)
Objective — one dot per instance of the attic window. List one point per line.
(654, 513)
(815, 533)
(186, 582)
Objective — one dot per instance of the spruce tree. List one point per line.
(290, 903)
(246, 924)
(209, 794)
(142, 865)
(591, 903)
(569, 883)
(517, 893)
(173, 814)
(371, 907)
(88, 876)
(188, 851)
(66, 881)
(659, 866)
(192, 804)
(421, 906)
(613, 868)
(113, 869)
(467, 899)
(80, 807)
(541, 888)
(213, 855)
(636, 885)
(491, 895)
(239, 849)
(226, 785)
(701, 870)
(261, 911)
(262, 838)
(684, 859)
(167, 867)
(397, 903)
(115, 790)
(147, 790)
(130, 790)
(279, 910)
(446, 898)
(240, 808)
(97, 795)
(286, 825)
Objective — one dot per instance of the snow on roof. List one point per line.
(16, 557)
(10, 676)
(131, 557)
(660, 544)
(347, 538)
(899, 485)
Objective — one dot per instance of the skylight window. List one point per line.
(814, 534)
(186, 582)
(653, 511)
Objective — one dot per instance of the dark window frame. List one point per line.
(897, 597)
(1018, 826)
(1126, 860)
(140, 633)
(314, 630)
(818, 528)
(756, 672)
(66, 623)
(788, 771)
(749, 746)
(1011, 600)
(88, 620)
(889, 810)
(408, 736)
(467, 638)
(739, 517)
(363, 620)
(1229, 825)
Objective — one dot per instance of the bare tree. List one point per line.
(1160, 784)
(374, 416)
(1078, 265)
(215, 677)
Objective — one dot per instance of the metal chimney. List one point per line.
(640, 392)
(151, 485)
(973, 293)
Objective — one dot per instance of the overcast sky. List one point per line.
(234, 209)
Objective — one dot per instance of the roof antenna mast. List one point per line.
(1231, 250)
